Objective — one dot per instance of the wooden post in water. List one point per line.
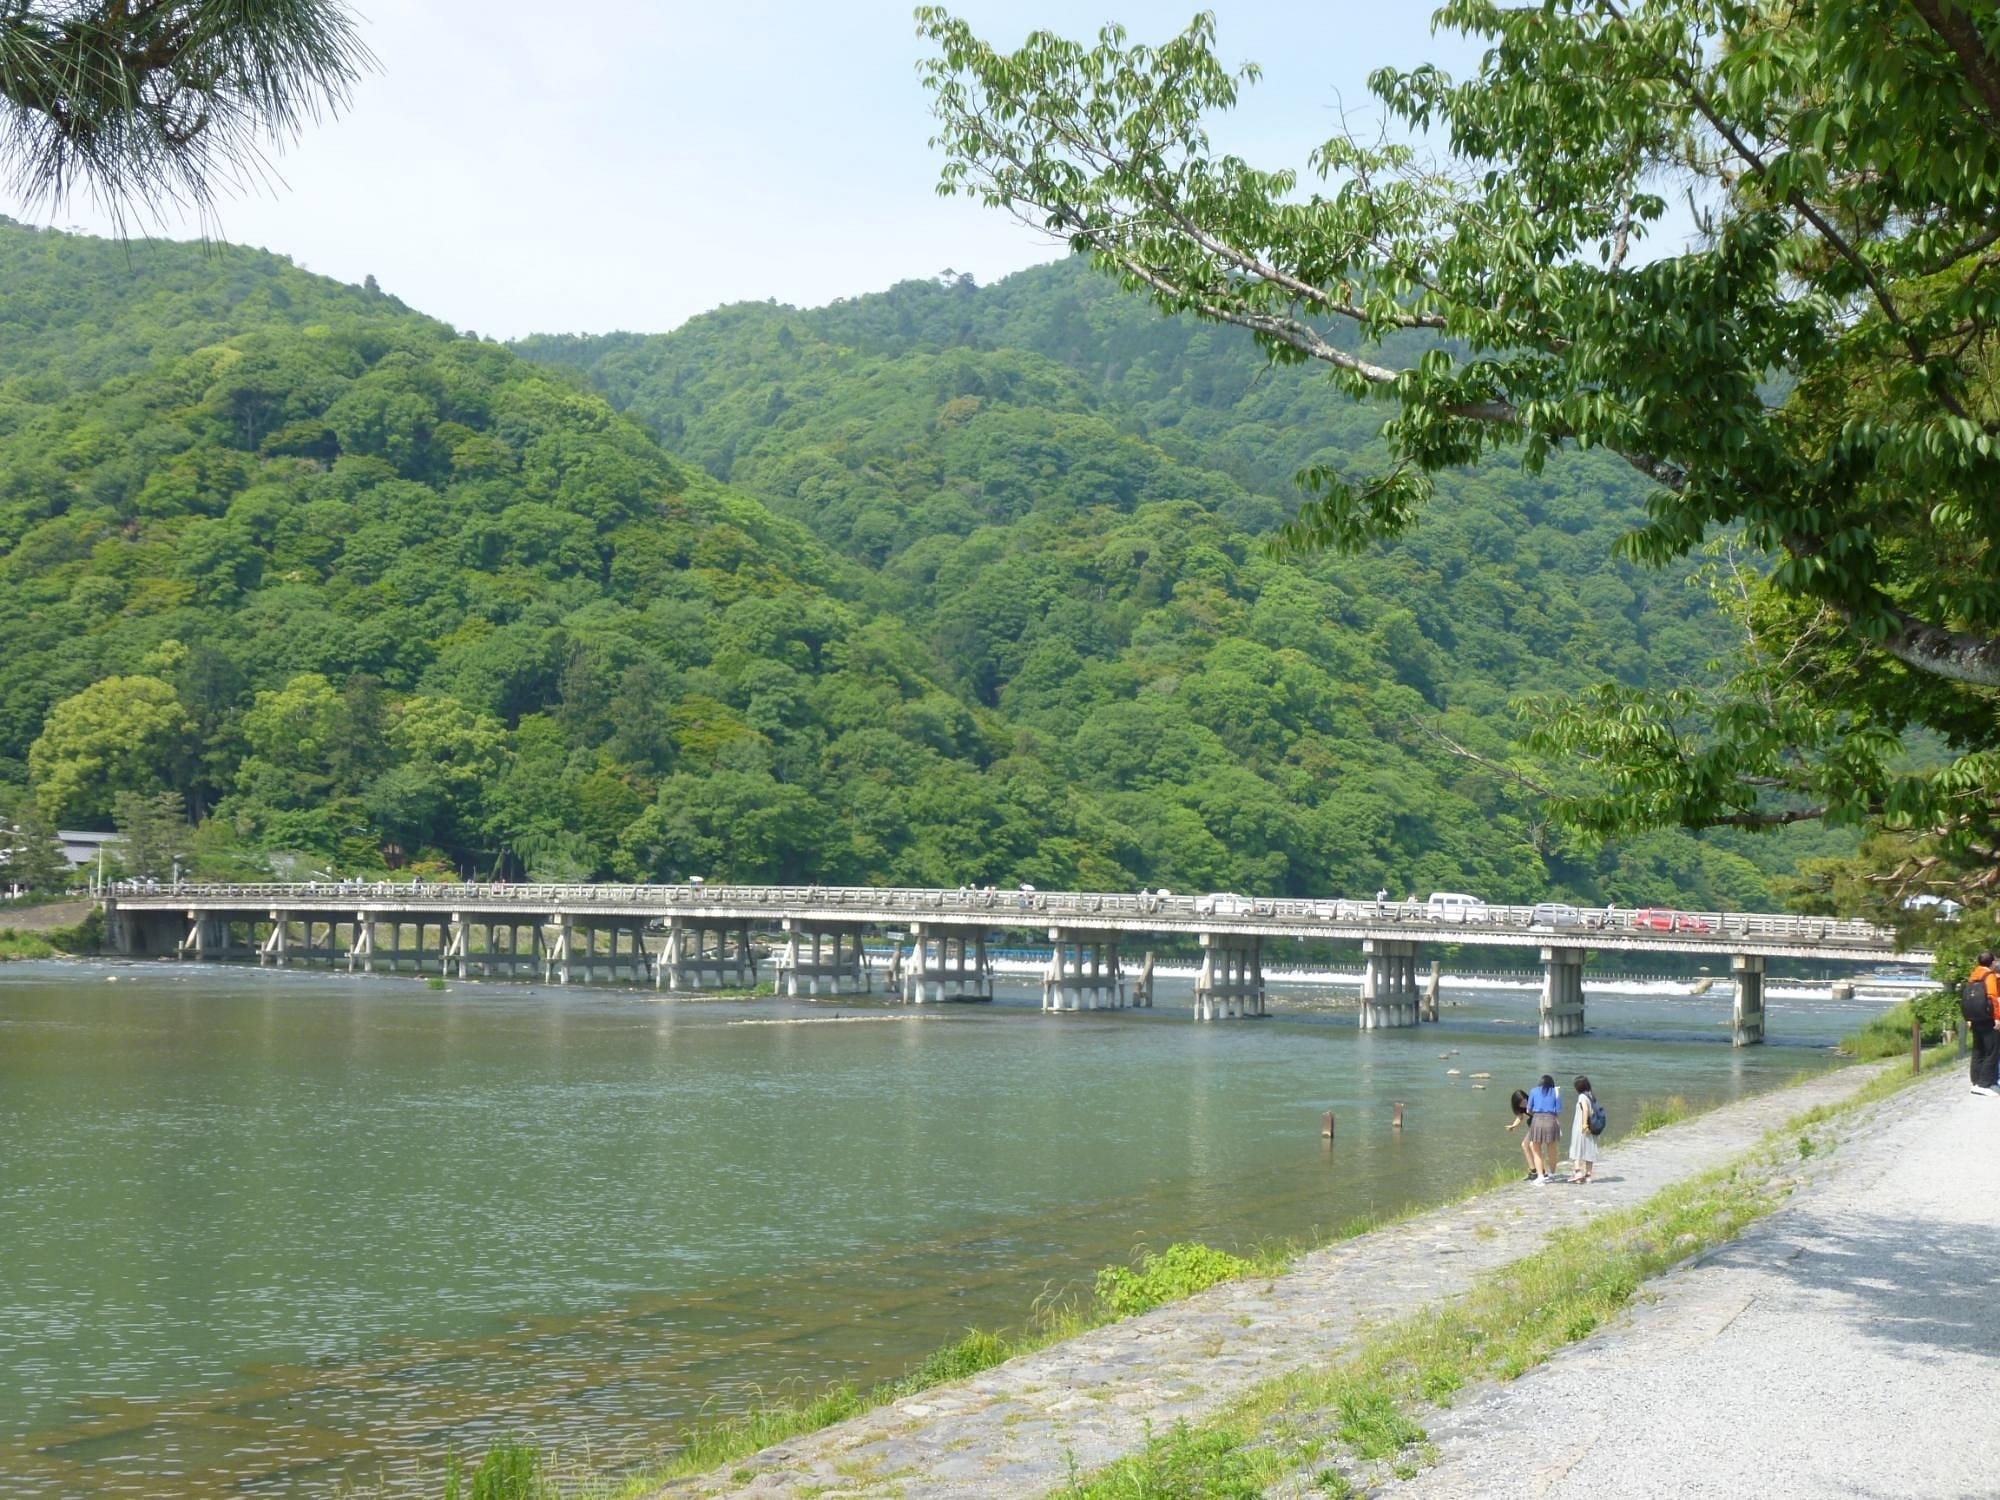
(1396, 1121)
(1326, 1125)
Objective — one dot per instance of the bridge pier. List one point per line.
(1562, 992)
(1748, 1022)
(699, 952)
(1083, 971)
(1231, 979)
(844, 970)
(1389, 997)
(946, 963)
(1142, 992)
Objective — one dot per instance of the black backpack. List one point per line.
(1973, 1002)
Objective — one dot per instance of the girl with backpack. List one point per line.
(1583, 1139)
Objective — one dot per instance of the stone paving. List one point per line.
(1023, 1427)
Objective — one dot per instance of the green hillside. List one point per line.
(951, 584)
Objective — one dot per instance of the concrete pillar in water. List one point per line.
(1748, 1022)
(823, 953)
(1388, 984)
(1083, 971)
(1230, 981)
(947, 963)
(1562, 992)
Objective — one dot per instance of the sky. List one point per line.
(629, 165)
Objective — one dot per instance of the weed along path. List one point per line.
(1849, 1344)
(1037, 1422)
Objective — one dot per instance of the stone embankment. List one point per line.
(1024, 1427)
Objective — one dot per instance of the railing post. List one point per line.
(1916, 1045)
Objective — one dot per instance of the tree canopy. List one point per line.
(944, 584)
(1804, 384)
(144, 101)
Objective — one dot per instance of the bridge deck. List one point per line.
(1771, 935)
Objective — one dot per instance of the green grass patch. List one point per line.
(25, 945)
(1657, 1114)
(1888, 1034)
(1175, 1272)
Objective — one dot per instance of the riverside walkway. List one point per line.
(1016, 1430)
(1844, 1346)
(701, 936)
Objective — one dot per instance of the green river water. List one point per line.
(278, 1234)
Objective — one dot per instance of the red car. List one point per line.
(1659, 919)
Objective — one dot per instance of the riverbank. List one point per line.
(1812, 1349)
(1036, 1423)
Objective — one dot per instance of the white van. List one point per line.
(1454, 906)
(1223, 904)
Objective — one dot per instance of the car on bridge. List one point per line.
(1454, 906)
(1554, 916)
(1224, 904)
(1663, 919)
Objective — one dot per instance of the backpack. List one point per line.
(1973, 1003)
(1598, 1119)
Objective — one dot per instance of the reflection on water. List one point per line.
(262, 1234)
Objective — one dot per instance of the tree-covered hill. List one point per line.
(947, 585)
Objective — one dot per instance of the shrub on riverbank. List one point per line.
(1176, 1272)
(24, 945)
(1888, 1035)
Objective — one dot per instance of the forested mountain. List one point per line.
(948, 584)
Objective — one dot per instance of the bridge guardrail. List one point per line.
(1014, 907)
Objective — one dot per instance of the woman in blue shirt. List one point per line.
(1545, 1125)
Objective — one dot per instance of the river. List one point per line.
(276, 1233)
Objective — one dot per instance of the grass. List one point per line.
(1888, 1034)
(1657, 1114)
(1364, 1411)
(25, 945)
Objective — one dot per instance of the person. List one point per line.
(1519, 1104)
(1545, 1126)
(1986, 1032)
(1582, 1144)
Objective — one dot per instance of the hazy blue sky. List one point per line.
(519, 167)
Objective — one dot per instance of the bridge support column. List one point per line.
(1389, 984)
(1748, 971)
(687, 962)
(946, 963)
(1231, 979)
(454, 946)
(1562, 992)
(276, 947)
(1083, 971)
(819, 953)
(1142, 992)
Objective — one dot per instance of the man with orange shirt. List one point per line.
(1983, 984)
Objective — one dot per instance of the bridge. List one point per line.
(692, 937)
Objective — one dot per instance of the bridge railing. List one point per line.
(1016, 907)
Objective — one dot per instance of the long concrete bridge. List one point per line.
(691, 937)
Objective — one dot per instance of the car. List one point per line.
(1455, 906)
(1223, 904)
(1664, 919)
(1554, 916)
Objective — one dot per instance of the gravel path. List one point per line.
(1849, 1345)
(1017, 1429)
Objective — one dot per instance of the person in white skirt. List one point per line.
(1582, 1144)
